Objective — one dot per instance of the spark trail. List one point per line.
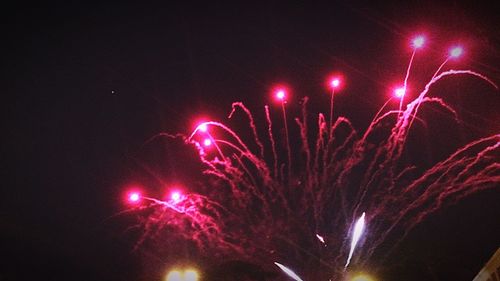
(288, 272)
(356, 235)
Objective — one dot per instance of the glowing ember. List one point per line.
(335, 82)
(176, 196)
(281, 94)
(399, 92)
(134, 197)
(418, 42)
(207, 142)
(456, 52)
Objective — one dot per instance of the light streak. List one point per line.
(334, 83)
(176, 197)
(358, 231)
(288, 272)
(321, 238)
(281, 94)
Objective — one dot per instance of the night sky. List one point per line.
(85, 85)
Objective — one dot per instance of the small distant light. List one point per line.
(418, 42)
(455, 52)
(207, 142)
(399, 92)
(182, 275)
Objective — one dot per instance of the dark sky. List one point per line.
(85, 84)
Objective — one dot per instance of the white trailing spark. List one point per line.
(288, 271)
(358, 231)
(321, 239)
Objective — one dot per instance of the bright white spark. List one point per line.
(320, 238)
(418, 42)
(288, 271)
(358, 231)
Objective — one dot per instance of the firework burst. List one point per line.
(344, 193)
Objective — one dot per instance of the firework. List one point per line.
(321, 238)
(248, 211)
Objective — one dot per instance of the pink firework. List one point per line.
(250, 207)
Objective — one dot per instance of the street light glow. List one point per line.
(176, 196)
(133, 197)
(183, 275)
(174, 275)
(191, 275)
(335, 82)
(362, 277)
